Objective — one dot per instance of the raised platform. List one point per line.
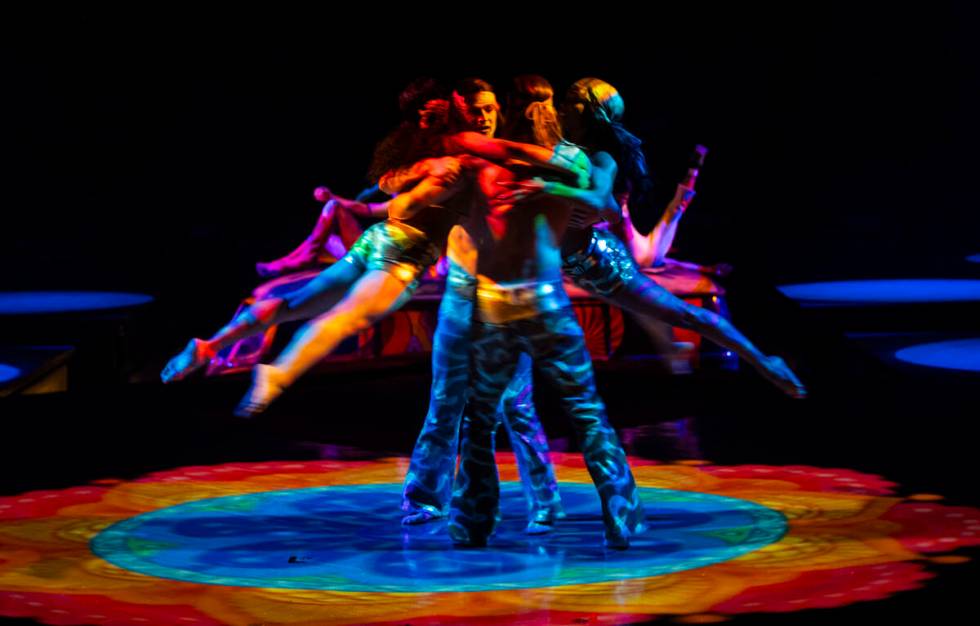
(99, 327)
(34, 369)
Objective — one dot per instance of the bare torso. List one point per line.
(504, 234)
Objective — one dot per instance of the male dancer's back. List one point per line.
(522, 307)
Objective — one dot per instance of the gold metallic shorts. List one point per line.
(396, 248)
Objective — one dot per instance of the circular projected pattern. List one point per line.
(320, 542)
(41, 302)
(348, 538)
(8, 372)
(885, 291)
(962, 354)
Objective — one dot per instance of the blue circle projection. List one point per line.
(961, 354)
(973, 258)
(40, 302)
(885, 291)
(348, 538)
(8, 373)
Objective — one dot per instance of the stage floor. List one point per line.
(152, 505)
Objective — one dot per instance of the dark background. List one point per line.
(168, 153)
(168, 160)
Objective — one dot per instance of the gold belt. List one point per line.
(499, 304)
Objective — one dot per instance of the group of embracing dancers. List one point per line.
(553, 197)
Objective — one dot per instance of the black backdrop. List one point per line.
(170, 161)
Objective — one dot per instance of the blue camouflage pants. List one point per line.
(429, 482)
(556, 344)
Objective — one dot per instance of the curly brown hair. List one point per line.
(408, 143)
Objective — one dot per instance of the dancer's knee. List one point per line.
(329, 207)
(266, 312)
(346, 321)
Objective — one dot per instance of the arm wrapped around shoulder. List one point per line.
(570, 157)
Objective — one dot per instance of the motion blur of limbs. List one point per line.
(600, 263)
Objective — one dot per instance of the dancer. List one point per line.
(387, 262)
(327, 288)
(650, 250)
(428, 483)
(355, 310)
(335, 232)
(598, 261)
(522, 307)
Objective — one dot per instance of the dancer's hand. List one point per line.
(520, 190)
(445, 168)
(683, 196)
(573, 158)
(778, 373)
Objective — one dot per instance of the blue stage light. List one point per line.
(8, 372)
(895, 291)
(961, 354)
(42, 302)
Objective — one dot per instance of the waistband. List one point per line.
(499, 304)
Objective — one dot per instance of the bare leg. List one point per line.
(662, 338)
(316, 296)
(337, 217)
(644, 297)
(377, 210)
(612, 275)
(308, 253)
(372, 298)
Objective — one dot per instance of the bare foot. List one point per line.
(322, 194)
(300, 259)
(266, 387)
(778, 373)
(191, 358)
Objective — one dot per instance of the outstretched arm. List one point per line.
(596, 203)
(397, 180)
(651, 249)
(431, 190)
(574, 163)
(662, 235)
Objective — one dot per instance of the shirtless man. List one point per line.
(522, 307)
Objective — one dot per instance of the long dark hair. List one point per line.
(602, 122)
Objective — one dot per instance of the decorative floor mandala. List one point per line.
(319, 543)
